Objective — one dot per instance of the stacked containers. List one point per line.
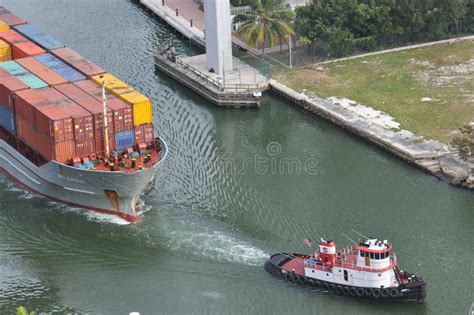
(24, 75)
(53, 133)
(142, 109)
(122, 112)
(82, 121)
(8, 86)
(80, 63)
(5, 51)
(38, 36)
(60, 67)
(10, 18)
(4, 26)
(94, 107)
(41, 71)
(21, 47)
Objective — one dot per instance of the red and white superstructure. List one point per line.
(370, 264)
(365, 270)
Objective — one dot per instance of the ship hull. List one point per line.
(409, 293)
(114, 193)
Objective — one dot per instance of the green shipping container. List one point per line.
(24, 75)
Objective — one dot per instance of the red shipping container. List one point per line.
(48, 149)
(82, 119)
(40, 70)
(11, 19)
(90, 104)
(144, 134)
(123, 113)
(26, 132)
(78, 62)
(9, 85)
(85, 148)
(21, 46)
(100, 144)
(55, 122)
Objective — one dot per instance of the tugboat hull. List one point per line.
(414, 292)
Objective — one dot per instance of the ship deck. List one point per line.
(140, 163)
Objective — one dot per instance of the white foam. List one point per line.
(91, 215)
(216, 245)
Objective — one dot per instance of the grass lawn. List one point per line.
(397, 82)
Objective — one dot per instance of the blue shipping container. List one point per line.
(22, 74)
(124, 139)
(7, 119)
(38, 36)
(60, 67)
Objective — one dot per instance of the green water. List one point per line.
(224, 201)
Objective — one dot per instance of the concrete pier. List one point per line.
(241, 87)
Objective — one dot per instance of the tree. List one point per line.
(268, 22)
(464, 141)
(456, 10)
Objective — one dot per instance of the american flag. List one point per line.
(307, 242)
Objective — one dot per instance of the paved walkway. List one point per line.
(189, 10)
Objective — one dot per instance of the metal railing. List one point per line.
(223, 87)
(240, 9)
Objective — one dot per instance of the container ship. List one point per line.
(69, 130)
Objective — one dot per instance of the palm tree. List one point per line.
(268, 22)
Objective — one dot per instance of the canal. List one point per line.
(237, 185)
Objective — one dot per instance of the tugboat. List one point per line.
(367, 271)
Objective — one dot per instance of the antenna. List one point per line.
(359, 234)
(349, 238)
(104, 117)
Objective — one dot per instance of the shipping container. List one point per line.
(61, 152)
(9, 85)
(60, 67)
(5, 51)
(4, 26)
(7, 119)
(85, 148)
(82, 119)
(123, 114)
(142, 107)
(90, 104)
(24, 75)
(124, 139)
(37, 110)
(20, 45)
(39, 37)
(100, 144)
(11, 19)
(26, 132)
(78, 62)
(48, 149)
(41, 71)
(144, 134)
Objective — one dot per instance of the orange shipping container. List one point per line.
(9, 85)
(41, 71)
(20, 45)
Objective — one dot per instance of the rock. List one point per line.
(320, 69)
(455, 169)
(470, 182)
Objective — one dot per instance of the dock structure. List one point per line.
(240, 88)
(188, 20)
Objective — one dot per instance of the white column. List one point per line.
(218, 35)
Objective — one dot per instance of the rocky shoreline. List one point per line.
(434, 157)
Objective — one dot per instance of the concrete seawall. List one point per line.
(431, 156)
